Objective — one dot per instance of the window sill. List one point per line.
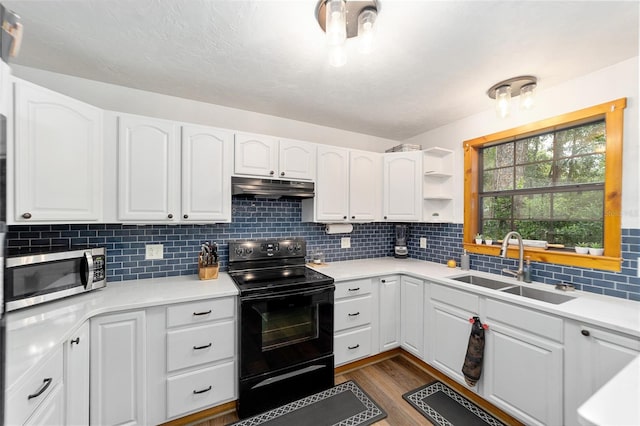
(558, 257)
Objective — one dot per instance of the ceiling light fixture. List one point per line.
(523, 86)
(343, 19)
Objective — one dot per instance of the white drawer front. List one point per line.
(200, 311)
(526, 319)
(352, 313)
(352, 288)
(352, 345)
(200, 389)
(47, 375)
(199, 345)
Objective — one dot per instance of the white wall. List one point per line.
(134, 101)
(614, 82)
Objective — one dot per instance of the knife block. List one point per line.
(209, 272)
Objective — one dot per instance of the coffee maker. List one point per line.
(400, 249)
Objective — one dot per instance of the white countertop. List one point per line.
(33, 332)
(617, 402)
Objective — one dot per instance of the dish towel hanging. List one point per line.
(472, 367)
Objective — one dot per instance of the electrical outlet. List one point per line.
(345, 242)
(423, 242)
(154, 251)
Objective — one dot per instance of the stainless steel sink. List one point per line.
(544, 296)
(483, 282)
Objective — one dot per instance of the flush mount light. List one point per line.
(523, 86)
(343, 19)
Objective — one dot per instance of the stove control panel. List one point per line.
(266, 249)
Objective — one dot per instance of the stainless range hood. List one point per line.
(271, 188)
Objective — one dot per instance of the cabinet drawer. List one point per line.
(352, 345)
(526, 319)
(200, 311)
(353, 288)
(352, 313)
(22, 401)
(199, 345)
(199, 389)
(453, 297)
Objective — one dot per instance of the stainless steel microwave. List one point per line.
(33, 278)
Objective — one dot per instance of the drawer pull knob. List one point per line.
(202, 313)
(170, 216)
(45, 385)
(354, 347)
(26, 215)
(383, 281)
(354, 315)
(195, 348)
(76, 341)
(354, 289)
(195, 392)
(585, 333)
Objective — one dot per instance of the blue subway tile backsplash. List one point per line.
(262, 218)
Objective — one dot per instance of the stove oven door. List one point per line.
(281, 330)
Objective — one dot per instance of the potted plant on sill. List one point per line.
(596, 249)
(478, 238)
(582, 248)
(488, 240)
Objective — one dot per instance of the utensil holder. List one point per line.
(207, 272)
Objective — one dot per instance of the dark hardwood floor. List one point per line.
(385, 382)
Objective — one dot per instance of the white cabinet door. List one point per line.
(592, 357)
(118, 369)
(206, 186)
(365, 178)
(58, 157)
(51, 411)
(402, 191)
(255, 155)
(332, 186)
(412, 315)
(76, 376)
(389, 312)
(522, 374)
(148, 170)
(297, 160)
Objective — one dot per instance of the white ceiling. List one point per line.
(433, 63)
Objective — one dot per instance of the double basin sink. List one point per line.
(531, 293)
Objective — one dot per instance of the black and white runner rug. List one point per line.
(443, 406)
(342, 405)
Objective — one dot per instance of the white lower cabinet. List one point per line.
(389, 312)
(448, 313)
(118, 369)
(76, 376)
(353, 315)
(593, 356)
(51, 411)
(412, 315)
(522, 371)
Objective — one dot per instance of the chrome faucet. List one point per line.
(503, 253)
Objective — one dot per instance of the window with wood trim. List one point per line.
(558, 180)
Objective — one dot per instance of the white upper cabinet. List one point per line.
(332, 185)
(402, 190)
(58, 156)
(148, 169)
(364, 186)
(260, 155)
(206, 174)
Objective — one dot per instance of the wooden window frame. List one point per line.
(613, 114)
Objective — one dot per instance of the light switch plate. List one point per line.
(154, 251)
(345, 242)
(423, 242)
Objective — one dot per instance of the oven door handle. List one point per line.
(289, 293)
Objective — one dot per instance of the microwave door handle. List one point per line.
(87, 276)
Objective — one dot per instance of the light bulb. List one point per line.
(503, 101)
(366, 19)
(336, 22)
(527, 96)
